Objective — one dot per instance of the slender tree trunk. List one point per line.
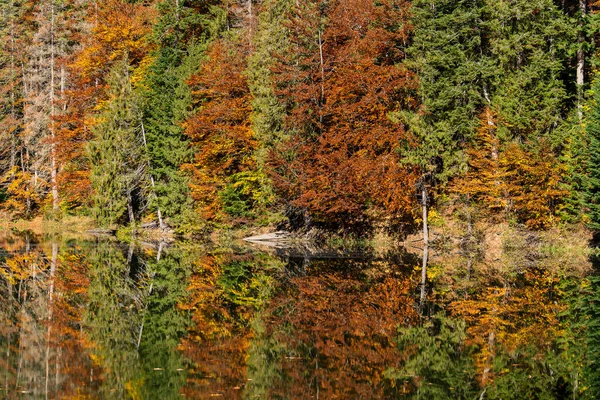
(322, 66)
(581, 58)
(53, 166)
(250, 23)
(53, 262)
(425, 242)
(13, 77)
(130, 208)
(469, 240)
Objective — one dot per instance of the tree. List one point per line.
(339, 78)
(220, 131)
(181, 45)
(593, 167)
(117, 153)
(107, 32)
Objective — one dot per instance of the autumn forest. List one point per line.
(427, 173)
(199, 114)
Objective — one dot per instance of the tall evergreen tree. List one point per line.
(181, 43)
(117, 152)
(449, 56)
(593, 173)
(528, 46)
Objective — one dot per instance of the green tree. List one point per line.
(439, 363)
(593, 164)
(448, 54)
(117, 152)
(181, 39)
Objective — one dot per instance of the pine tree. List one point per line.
(528, 46)
(117, 152)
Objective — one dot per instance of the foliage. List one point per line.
(338, 86)
(117, 154)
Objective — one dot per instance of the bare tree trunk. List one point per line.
(13, 77)
(322, 65)
(130, 208)
(53, 262)
(250, 23)
(581, 58)
(425, 243)
(53, 166)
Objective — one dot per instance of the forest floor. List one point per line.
(487, 244)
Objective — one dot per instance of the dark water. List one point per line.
(95, 319)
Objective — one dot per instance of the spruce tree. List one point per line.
(593, 172)
(448, 54)
(528, 46)
(167, 102)
(117, 155)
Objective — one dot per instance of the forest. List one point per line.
(340, 114)
(368, 131)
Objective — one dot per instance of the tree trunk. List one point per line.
(581, 58)
(425, 243)
(53, 167)
(130, 208)
(322, 65)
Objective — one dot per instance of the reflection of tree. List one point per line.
(339, 332)
(515, 328)
(439, 365)
(164, 324)
(40, 339)
(226, 290)
(134, 323)
(113, 320)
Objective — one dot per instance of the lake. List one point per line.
(97, 319)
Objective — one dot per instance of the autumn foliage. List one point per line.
(340, 85)
(524, 181)
(220, 131)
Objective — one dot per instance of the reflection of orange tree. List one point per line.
(510, 318)
(339, 333)
(218, 343)
(69, 302)
(43, 292)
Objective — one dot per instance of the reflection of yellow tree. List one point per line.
(225, 292)
(510, 318)
(42, 346)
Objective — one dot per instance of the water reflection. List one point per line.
(102, 320)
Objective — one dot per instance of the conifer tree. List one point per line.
(593, 170)
(181, 44)
(528, 47)
(117, 152)
(449, 56)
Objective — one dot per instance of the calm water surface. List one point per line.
(96, 319)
